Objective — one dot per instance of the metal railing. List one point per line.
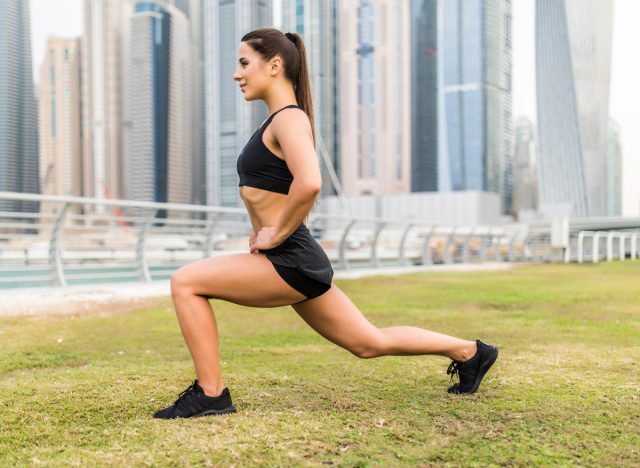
(609, 237)
(72, 240)
(60, 240)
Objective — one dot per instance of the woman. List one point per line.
(279, 182)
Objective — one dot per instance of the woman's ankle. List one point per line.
(466, 352)
(212, 390)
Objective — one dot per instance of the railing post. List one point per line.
(581, 236)
(141, 254)
(448, 257)
(498, 255)
(621, 244)
(511, 250)
(55, 254)
(634, 245)
(426, 248)
(375, 261)
(596, 247)
(401, 254)
(465, 248)
(567, 250)
(533, 247)
(483, 246)
(344, 263)
(610, 235)
(208, 245)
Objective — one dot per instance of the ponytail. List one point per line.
(301, 81)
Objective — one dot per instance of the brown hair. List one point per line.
(269, 42)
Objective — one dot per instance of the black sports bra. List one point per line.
(259, 167)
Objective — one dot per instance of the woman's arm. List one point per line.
(297, 207)
(252, 238)
(292, 129)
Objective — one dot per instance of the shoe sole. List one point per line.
(229, 409)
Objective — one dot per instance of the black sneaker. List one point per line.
(192, 402)
(471, 371)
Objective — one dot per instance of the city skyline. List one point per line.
(65, 19)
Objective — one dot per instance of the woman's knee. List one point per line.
(180, 283)
(373, 347)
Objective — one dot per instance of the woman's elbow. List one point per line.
(312, 186)
(315, 187)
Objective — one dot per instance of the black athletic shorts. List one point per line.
(302, 263)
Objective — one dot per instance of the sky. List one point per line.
(64, 18)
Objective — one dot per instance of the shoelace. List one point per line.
(453, 369)
(190, 389)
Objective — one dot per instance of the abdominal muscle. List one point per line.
(264, 207)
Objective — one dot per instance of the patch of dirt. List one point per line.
(79, 307)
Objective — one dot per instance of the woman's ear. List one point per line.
(276, 65)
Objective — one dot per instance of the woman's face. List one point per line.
(251, 73)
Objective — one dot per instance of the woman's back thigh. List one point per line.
(245, 279)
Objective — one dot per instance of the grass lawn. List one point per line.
(81, 390)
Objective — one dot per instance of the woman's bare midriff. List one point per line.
(264, 207)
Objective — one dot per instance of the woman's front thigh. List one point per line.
(245, 279)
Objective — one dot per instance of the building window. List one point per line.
(53, 118)
(52, 76)
(300, 17)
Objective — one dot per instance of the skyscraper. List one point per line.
(159, 92)
(475, 133)
(573, 59)
(193, 9)
(18, 116)
(374, 94)
(525, 185)
(59, 118)
(198, 121)
(614, 170)
(230, 120)
(424, 95)
(317, 22)
(104, 101)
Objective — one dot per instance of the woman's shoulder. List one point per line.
(292, 118)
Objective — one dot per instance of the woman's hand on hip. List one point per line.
(252, 238)
(264, 240)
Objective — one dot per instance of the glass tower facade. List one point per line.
(18, 113)
(526, 187)
(476, 88)
(614, 170)
(366, 84)
(317, 22)
(150, 98)
(573, 61)
(424, 95)
(230, 120)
